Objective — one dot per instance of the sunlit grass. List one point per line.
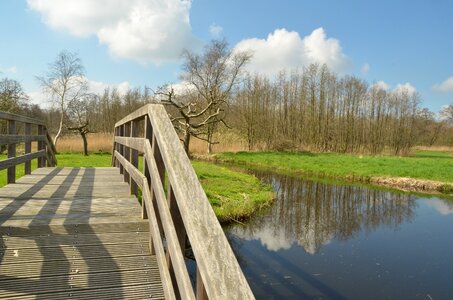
(424, 165)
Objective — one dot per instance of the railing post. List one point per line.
(11, 177)
(121, 147)
(126, 150)
(41, 160)
(27, 168)
(179, 228)
(148, 134)
(134, 157)
(200, 290)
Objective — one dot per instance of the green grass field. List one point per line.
(431, 165)
(233, 195)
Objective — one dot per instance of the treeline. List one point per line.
(315, 109)
(103, 111)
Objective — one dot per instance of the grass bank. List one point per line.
(425, 171)
(233, 195)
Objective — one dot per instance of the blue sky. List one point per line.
(131, 43)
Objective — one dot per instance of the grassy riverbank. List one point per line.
(425, 171)
(233, 195)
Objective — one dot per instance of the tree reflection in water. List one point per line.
(310, 213)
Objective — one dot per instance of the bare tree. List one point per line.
(212, 75)
(65, 83)
(78, 112)
(447, 113)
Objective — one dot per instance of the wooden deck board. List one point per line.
(74, 233)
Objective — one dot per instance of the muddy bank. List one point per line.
(414, 185)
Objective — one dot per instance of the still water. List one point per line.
(327, 241)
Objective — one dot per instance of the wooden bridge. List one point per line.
(81, 232)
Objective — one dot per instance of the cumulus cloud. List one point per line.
(215, 30)
(283, 49)
(445, 87)
(10, 70)
(98, 87)
(381, 85)
(405, 88)
(95, 87)
(145, 31)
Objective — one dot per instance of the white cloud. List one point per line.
(445, 87)
(442, 207)
(215, 30)
(405, 88)
(145, 31)
(96, 87)
(365, 68)
(381, 85)
(10, 70)
(283, 49)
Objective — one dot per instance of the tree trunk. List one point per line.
(85, 143)
(57, 136)
(187, 142)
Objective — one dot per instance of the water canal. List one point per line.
(331, 241)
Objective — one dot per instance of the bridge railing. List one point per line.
(33, 131)
(178, 210)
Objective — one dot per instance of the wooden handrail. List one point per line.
(45, 153)
(182, 215)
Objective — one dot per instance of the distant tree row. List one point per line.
(318, 110)
(311, 109)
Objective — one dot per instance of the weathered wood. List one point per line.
(201, 291)
(187, 210)
(41, 159)
(134, 173)
(15, 139)
(137, 115)
(8, 163)
(27, 166)
(212, 251)
(11, 174)
(18, 118)
(131, 142)
(157, 245)
(98, 250)
(148, 134)
(173, 244)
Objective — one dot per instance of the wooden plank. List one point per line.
(135, 143)
(212, 251)
(136, 175)
(99, 250)
(15, 139)
(18, 118)
(137, 115)
(9, 162)
(157, 245)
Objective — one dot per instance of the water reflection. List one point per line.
(311, 214)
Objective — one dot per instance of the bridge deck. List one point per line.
(74, 233)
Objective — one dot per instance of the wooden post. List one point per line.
(27, 167)
(148, 134)
(121, 147)
(180, 231)
(200, 290)
(134, 157)
(41, 160)
(11, 177)
(126, 150)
